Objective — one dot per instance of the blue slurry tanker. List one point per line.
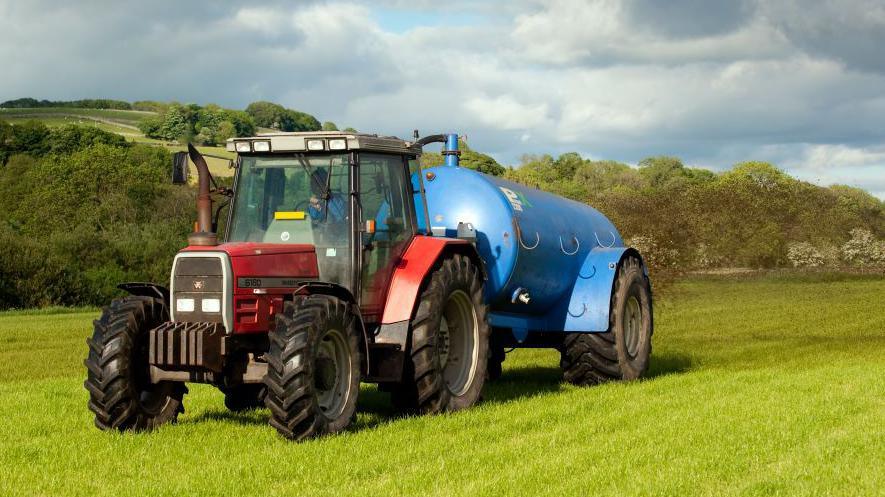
(552, 266)
(344, 262)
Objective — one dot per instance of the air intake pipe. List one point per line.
(204, 234)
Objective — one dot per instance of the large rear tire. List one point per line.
(621, 353)
(446, 370)
(121, 394)
(313, 374)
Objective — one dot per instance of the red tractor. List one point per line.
(327, 278)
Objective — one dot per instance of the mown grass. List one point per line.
(759, 386)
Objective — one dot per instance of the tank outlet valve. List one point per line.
(521, 296)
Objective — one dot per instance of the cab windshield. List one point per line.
(296, 199)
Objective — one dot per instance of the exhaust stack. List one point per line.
(204, 235)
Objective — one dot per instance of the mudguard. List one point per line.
(587, 310)
(417, 261)
(141, 289)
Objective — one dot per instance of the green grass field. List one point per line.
(759, 386)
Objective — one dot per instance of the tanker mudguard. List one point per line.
(417, 261)
(588, 308)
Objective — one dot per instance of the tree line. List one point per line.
(88, 103)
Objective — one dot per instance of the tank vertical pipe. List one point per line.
(451, 152)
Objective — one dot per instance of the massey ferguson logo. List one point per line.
(198, 284)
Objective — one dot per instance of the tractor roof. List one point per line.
(320, 141)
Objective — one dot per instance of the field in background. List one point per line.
(122, 122)
(760, 385)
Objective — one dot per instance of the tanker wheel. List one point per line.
(621, 353)
(450, 340)
(244, 396)
(313, 373)
(121, 394)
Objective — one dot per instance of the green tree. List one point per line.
(175, 124)
(265, 114)
(329, 126)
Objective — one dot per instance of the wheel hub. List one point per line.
(458, 340)
(632, 325)
(325, 374)
(332, 373)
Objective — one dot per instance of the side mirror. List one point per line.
(180, 168)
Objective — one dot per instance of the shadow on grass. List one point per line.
(666, 364)
(514, 384)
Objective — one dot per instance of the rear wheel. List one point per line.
(450, 340)
(313, 374)
(621, 353)
(121, 394)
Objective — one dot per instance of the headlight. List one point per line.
(244, 147)
(315, 145)
(211, 305)
(184, 305)
(338, 144)
(261, 146)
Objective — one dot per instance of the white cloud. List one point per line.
(783, 81)
(505, 112)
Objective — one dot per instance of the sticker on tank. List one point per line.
(517, 199)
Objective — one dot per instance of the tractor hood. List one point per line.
(251, 280)
(267, 260)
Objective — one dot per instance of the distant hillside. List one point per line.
(167, 124)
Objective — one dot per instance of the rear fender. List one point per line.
(419, 259)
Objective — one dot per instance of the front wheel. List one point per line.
(450, 342)
(313, 374)
(121, 394)
(621, 353)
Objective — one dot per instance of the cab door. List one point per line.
(386, 198)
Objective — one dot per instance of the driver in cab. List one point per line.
(321, 208)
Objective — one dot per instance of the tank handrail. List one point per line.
(610, 245)
(519, 237)
(583, 311)
(577, 245)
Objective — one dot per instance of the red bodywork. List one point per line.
(253, 312)
(413, 266)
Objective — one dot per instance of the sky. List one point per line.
(800, 84)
